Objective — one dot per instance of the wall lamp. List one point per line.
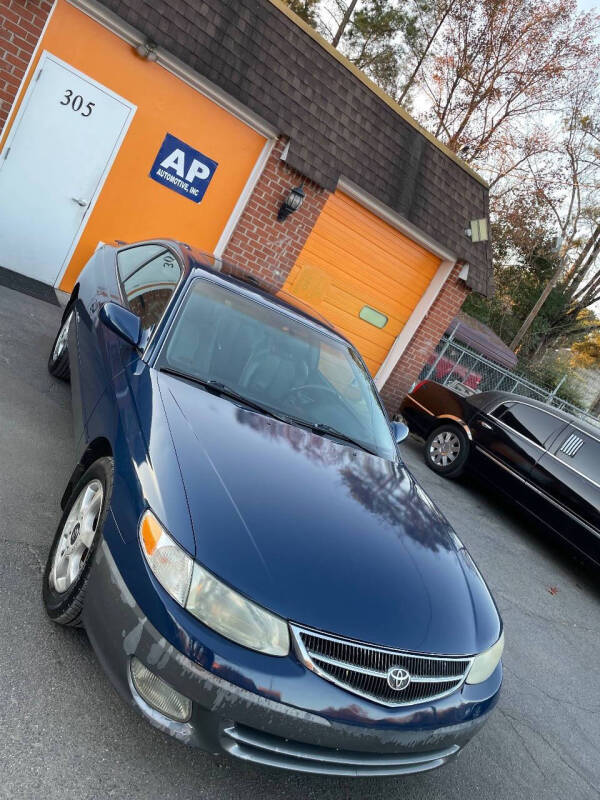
(291, 203)
(478, 230)
(147, 50)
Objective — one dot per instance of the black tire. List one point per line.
(58, 360)
(65, 607)
(447, 443)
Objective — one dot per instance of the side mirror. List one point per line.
(122, 322)
(399, 431)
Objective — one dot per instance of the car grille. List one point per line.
(250, 744)
(363, 669)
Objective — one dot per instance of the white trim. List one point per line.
(44, 59)
(172, 64)
(27, 71)
(412, 323)
(242, 201)
(394, 219)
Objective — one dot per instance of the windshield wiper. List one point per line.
(225, 391)
(321, 427)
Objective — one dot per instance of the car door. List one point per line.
(568, 477)
(148, 274)
(99, 283)
(509, 440)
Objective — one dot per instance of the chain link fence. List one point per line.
(466, 372)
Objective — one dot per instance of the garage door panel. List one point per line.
(353, 246)
(349, 243)
(375, 248)
(367, 269)
(354, 259)
(352, 304)
(356, 327)
(375, 233)
(399, 306)
(368, 349)
(346, 297)
(342, 266)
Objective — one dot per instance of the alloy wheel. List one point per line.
(61, 340)
(444, 448)
(77, 537)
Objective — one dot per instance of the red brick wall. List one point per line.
(444, 309)
(262, 245)
(21, 23)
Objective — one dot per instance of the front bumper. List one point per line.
(227, 718)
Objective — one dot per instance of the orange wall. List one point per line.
(131, 205)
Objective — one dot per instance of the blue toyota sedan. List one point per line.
(256, 569)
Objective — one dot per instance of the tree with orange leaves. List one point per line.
(499, 67)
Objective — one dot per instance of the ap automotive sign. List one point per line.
(183, 169)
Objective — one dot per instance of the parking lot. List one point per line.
(65, 732)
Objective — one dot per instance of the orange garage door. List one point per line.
(363, 275)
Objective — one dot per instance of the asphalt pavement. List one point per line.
(64, 732)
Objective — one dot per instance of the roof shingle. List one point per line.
(338, 125)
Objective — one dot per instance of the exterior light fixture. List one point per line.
(556, 244)
(147, 50)
(291, 203)
(478, 232)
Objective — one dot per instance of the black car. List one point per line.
(542, 458)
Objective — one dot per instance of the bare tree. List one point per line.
(567, 184)
(430, 24)
(344, 22)
(500, 63)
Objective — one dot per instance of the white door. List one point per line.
(52, 167)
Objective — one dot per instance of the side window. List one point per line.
(148, 286)
(580, 451)
(129, 260)
(499, 410)
(535, 424)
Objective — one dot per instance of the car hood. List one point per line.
(321, 533)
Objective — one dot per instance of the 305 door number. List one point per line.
(77, 103)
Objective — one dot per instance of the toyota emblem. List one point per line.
(398, 678)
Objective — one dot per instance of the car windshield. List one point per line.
(293, 370)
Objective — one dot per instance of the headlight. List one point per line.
(171, 565)
(485, 663)
(212, 602)
(233, 616)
